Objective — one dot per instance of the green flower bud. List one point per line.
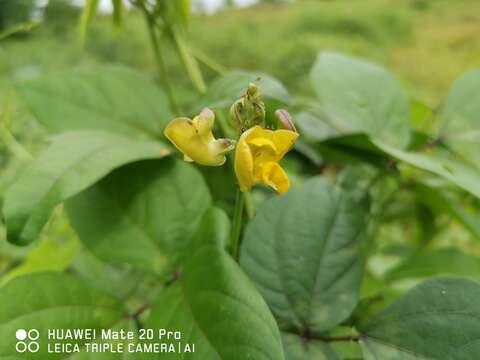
(249, 110)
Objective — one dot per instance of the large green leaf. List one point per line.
(231, 86)
(215, 305)
(73, 161)
(360, 97)
(111, 98)
(460, 122)
(313, 129)
(437, 320)
(355, 147)
(302, 250)
(143, 214)
(297, 348)
(119, 281)
(45, 301)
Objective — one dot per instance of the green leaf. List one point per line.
(361, 97)
(297, 348)
(53, 253)
(73, 161)
(437, 199)
(313, 129)
(18, 28)
(115, 280)
(302, 250)
(45, 301)
(89, 11)
(437, 319)
(215, 305)
(143, 214)
(189, 61)
(357, 147)
(112, 98)
(425, 263)
(231, 86)
(447, 166)
(459, 125)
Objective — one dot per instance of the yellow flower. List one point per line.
(195, 140)
(257, 155)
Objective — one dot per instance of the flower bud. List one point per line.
(284, 120)
(207, 114)
(249, 110)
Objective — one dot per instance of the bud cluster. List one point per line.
(249, 110)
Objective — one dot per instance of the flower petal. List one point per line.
(284, 141)
(244, 163)
(257, 155)
(183, 133)
(274, 176)
(264, 143)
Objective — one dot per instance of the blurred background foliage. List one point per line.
(426, 44)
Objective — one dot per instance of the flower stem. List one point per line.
(161, 67)
(237, 223)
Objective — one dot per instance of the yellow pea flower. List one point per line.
(194, 138)
(257, 155)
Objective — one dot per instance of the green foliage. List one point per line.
(445, 261)
(443, 164)
(384, 185)
(74, 161)
(143, 214)
(432, 321)
(231, 86)
(13, 12)
(349, 99)
(51, 301)
(297, 348)
(216, 304)
(105, 99)
(459, 126)
(61, 14)
(89, 11)
(315, 286)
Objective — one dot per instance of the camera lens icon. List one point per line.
(27, 340)
(21, 334)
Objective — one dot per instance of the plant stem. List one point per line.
(162, 70)
(237, 223)
(249, 207)
(189, 61)
(206, 60)
(354, 338)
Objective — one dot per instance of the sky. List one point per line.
(207, 5)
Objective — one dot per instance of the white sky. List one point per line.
(207, 5)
